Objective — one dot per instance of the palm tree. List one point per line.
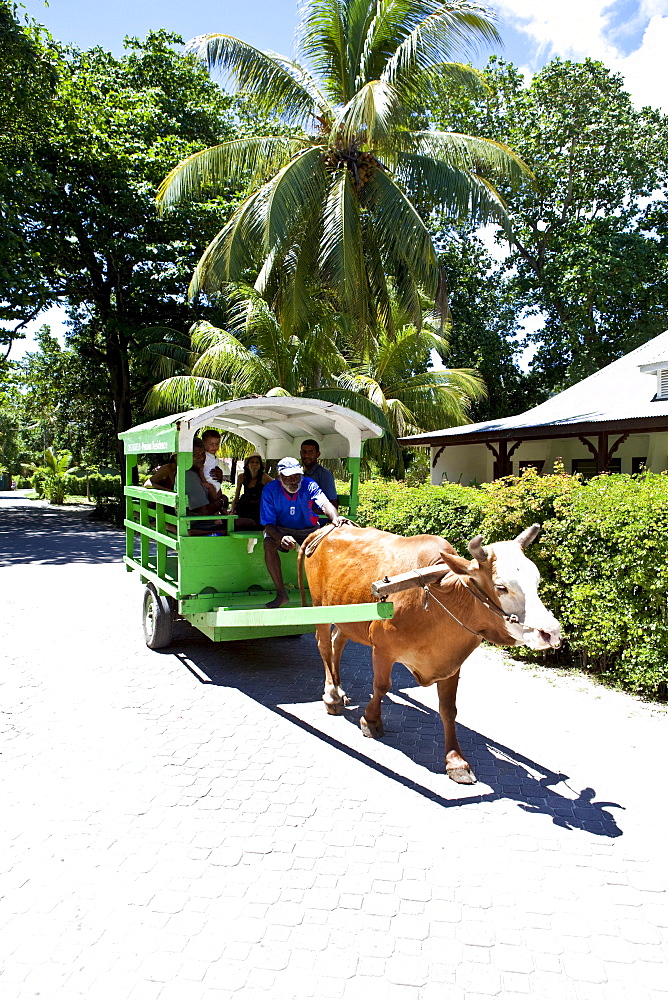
(255, 355)
(395, 377)
(330, 205)
(387, 380)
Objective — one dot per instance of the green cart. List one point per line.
(221, 584)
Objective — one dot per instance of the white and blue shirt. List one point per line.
(291, 510)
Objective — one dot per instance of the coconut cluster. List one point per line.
(361, 165)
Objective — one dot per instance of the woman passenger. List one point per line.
(253, 480)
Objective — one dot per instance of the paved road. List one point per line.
(191, 825)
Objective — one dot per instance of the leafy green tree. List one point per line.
(61, 399)
(28, 63)
(482, 327)
(584, 253)
(329, 208)
(117, 125)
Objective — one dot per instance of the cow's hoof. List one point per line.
(371, 729)
(334, 707)
(462, 775)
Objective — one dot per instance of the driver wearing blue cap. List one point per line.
(288, 515)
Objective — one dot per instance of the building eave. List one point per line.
(537, 432)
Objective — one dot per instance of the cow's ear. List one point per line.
(525, 538)
(454, 562)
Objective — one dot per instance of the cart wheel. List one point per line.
(157, 619)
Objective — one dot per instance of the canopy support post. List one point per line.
(354, 464)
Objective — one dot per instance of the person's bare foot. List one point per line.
(278, 601)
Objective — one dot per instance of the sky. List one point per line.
(629, 36)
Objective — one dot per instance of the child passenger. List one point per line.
(211, 474)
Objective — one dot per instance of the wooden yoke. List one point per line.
(415, 578)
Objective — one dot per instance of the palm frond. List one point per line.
(468, 152)
(236, 248)
(298, 190)
(307, 81)
(400, 230)
(459, 193)
(341, 255)
(185, 392)
(386, 446)
(376, 277)
(423, 88)
(239, 161)
(322, 39)
(371, 116)
(444, 30)
(257, 73)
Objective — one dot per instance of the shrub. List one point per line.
(38, 481)
(452, 511)
(608, 549)
(55, 489)
(102, 488)
(603, 556)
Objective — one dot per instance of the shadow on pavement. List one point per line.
(33, 533)
(284, 674)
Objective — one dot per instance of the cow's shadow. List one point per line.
(285, 676)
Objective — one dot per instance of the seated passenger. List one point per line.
(309, 454)
(164, 477)
(198, 499)
(252, 481)
(288, 515)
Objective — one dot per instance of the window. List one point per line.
(638, 464)
(533, 463)
(662, 383)
(587, 466)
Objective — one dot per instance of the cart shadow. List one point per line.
(285, 676)
(32, 533)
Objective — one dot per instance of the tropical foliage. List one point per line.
(50, 479)
(387, 378)
(336, 208)
(589, 238)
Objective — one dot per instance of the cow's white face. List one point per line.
(515, 579)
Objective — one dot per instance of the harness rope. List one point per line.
(309, 549)
(484, 600)
(323, 532)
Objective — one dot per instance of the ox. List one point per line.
(494, 596)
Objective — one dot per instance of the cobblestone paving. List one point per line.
(191, 825)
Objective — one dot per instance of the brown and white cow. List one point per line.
(427, 640)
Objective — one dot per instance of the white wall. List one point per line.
(463, 463)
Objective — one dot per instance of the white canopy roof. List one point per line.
(275, 425)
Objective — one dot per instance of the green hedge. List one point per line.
(102, 488)
(603, 556)
(55, 488)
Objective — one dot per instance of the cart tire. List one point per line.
(157, 619)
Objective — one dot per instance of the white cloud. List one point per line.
(644, 69)
(576, 29)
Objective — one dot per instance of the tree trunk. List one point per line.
(119, 371)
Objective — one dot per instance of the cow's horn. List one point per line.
(525, 538)
(476, 549)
